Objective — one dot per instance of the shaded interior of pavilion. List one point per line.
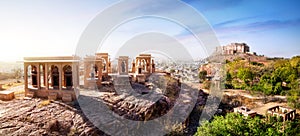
(41, 77)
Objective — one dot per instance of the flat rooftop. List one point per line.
(52, 59)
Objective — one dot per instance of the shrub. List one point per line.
(44, 103)
(236, 124)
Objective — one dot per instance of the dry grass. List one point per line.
(10, 85)
(19, 94)
(177, 129)
(73, 131)
(44, 103)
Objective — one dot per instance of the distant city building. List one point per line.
(233, 48)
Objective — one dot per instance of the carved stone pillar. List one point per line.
(99, 65)
(46, 76)
(38, 76)
(133, 67)
(26, 76)
(60, 76)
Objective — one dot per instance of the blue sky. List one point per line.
(270, 27)
(48, 28)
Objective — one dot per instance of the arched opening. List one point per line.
(93, 69)
(34, 77)
(144, 65)
(55, 77)
(68, 80)
(96, 71)
(139, 66)
(104, 65)
(123, 67)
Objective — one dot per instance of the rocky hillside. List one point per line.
(43, 117)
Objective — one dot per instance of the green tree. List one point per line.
(236, 125)
(246, 75)
(293, 99)
(276, 77)
(202, 75)
(206, 84)
(172, 71)
(295, 62)
(228, 82)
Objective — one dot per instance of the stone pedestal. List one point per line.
(141, 78)
(67, 97)
(52, 96)
(7, 95)
(91, 84)
(122, 83)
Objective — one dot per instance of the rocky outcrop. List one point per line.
(43, 117)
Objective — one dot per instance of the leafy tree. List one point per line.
(206, 84)
(172, 71)
(294, 98)
(202, 75)
(295, 62)
(236, 125)
(228, 82)
(246, 75)
(294, 94)
(277, 77)
(281, 63)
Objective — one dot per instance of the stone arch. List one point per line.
(68, 80)
(139, 66)
(96, 69)
(144, 64)
(32, 75)
(123, 66)
(93, 70)
(104, 64)
(55, 77)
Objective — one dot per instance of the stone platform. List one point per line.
(52, 94)
(7, 95)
